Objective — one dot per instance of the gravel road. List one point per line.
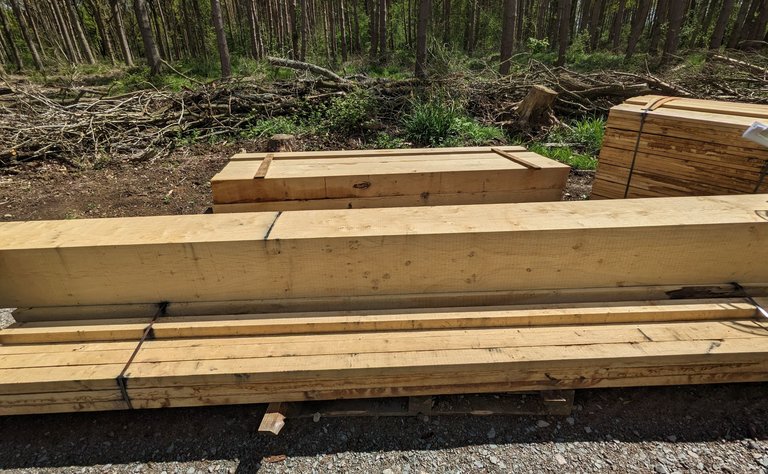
(715, 428)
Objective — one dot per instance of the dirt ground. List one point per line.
(718, 428)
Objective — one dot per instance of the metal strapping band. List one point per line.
(760, 180)
(149, 333)
(649, 107)
(744, 294)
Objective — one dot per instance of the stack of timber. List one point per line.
(292, 181)
(660, 146)
(336, 304)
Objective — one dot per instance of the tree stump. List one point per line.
(281, 142)
(535, 110)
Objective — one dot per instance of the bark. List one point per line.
(373, 15)
(564, 30)
(659, 19)
(758, 30)
(81, 38)
(106, 41)
(257, 45)
(13, 51)
(586, 15)
(425, 7)
(383, 16)
(446, 22)
(738, 27)
(541, 19)
(145, 28)
(69, 44)
(221, 39)
(722, 22)
(676, 13)
(356, 43)
(343, 20)
(618, 24)
(595, 23)
(304, 29)
(638, 25)
(507, 35)
(25, 34)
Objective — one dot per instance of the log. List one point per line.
(535, 110)
(302, 66)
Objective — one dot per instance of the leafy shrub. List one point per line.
(273, 126)
(431, 123)
(350, 112)
(385, 141)
(536, 46)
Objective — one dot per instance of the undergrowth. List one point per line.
(437, 123)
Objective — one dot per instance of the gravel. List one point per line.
(717, 428)
(6, 319)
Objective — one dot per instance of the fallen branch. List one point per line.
(302, 66)
(743, 64)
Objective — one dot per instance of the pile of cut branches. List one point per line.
(78, 126)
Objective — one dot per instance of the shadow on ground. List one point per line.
(692, 414)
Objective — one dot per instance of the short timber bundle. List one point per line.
(262, 307)
(666, 146)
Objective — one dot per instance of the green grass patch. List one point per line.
(437, 123)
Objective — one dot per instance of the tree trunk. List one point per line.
(119, 28)
(343, 21)
(373, 16)
(758, 30)
(446, 22)
(659, 20)
(638, 25)
(77, 24)
(541, 19)
(618, 24)
(425, 8)
(145, 28)
(564, 30)
(738, 27)
(586, 15)
(106, 41)
(356, 43)
(383, 16)
(69, 45)
(13, 51)
(676, 13)
(507, 35)
(257, 44)
(595, 23)
(304, 30)
(25, 34)
(722, 22)
(221, 39)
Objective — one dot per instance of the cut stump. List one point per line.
(535, 110)
(281, 142)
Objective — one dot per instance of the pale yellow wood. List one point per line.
(395, 251)
(356, 154)
(273, 420)
(710, 106)
(319, 322)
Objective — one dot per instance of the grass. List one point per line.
(576, 144)
(436, 123)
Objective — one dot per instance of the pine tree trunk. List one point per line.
(676, 13)
(106, 41)
(221, 39)
(356, 43)
(738, 27)
(659, 20)
(344, 39)
(373, 16)
(446, 22)
(82, 39)
(722, 22)
(586, 15)
(64, 31)
(595, 23)
(618, 24)
(638, 25)
(119, 28)
(758, 31)
(13, 51)
(507, 35)
(469, 35)
(564, 30)
(541, 19)
(32, 22)
(383, 16)
(425, 8)
(145, 28)
(25, 34)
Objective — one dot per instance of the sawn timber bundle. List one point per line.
(659, 146)
(629, 292)
(385, 178)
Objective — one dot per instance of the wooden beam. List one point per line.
(381, 252)
(273, 420)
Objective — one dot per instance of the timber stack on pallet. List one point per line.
(385, 178)
(660, 146)
(278, 307)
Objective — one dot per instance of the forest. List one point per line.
(43, 34)
(81, 75)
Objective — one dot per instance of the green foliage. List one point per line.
(580, 143)
(272, 126)
(431, 123)
(349, 113)
(585, 135)
(436, 123)
(537, 46)
(385, 141)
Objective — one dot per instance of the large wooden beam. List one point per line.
(378, 252)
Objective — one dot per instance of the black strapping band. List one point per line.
(760, 180)
(149, 333)
(743, 292)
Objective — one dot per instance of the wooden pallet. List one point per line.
(681, 147)
(385, 178)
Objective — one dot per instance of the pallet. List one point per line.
(681, 147)
(291, 181)
(548, 403)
